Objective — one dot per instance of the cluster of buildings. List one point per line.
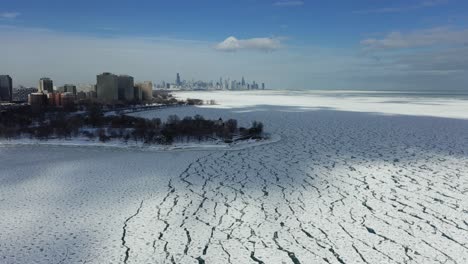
(64, 96)
(112, 88)
(109, 89)
(226, 84)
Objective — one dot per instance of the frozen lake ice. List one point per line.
(361, 179)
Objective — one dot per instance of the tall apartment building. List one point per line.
(138, 93)
(146, 90)
(6, 88)
(107, 87)
(125, 87)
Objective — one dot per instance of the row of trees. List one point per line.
(159, 97)
(94, 124)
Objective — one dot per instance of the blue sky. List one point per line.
(289, 44)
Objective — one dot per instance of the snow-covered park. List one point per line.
(360, 178)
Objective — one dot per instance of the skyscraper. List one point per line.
(46, 85)
(107, 87)
(126, 84)
(6, 88)
(243, 82)
(178, 82)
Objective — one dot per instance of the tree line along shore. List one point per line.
(92, 123)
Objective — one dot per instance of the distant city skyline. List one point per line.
(46, 84)
(227, 83)
(361, 45)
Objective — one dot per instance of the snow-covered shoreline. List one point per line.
(397, 104)
(139, 146)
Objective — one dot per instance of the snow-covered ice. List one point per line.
(360, 179)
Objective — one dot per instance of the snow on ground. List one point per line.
(421, 104)
(359, 185)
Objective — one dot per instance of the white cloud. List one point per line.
(9, 15)
(417, 39)
(420, 5)
(261, 44)
(288, 3)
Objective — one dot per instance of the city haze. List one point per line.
(367, 45)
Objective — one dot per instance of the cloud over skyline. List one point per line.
(77, 58)
(232, 44)
(327, 46)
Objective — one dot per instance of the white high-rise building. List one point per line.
(146, 90)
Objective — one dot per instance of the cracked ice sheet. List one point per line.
(71, 203)
(340, 187)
